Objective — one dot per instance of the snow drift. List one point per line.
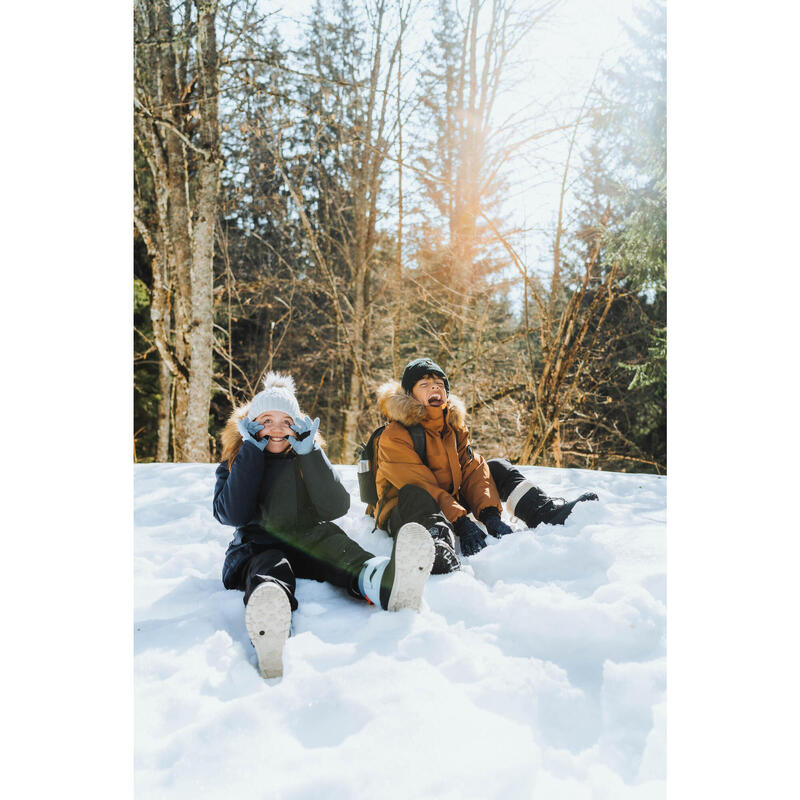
(539, 669)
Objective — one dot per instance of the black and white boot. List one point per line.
(444, 542)
(397, 582)
(530, 504)
(267, 618)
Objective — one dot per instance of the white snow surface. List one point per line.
(536, 671)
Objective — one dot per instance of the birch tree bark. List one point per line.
(201, 330)
(164, 407)
(177, 130)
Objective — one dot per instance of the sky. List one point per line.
(581, 36)
(548, 80)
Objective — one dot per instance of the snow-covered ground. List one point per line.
(538, 670)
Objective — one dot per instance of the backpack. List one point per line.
(368, 466)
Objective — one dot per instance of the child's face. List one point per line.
(430, 391)
(276, 427)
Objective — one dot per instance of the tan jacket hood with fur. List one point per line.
(397, 406)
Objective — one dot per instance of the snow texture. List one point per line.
(538, 670)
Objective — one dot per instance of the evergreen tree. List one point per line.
(631, 132)
(624, 178)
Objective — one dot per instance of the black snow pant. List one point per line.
(324, 553)
(414, 504)
(534, 507)
(505, 475)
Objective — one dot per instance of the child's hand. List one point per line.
(248, 428)
(490, 517)
(305, 429)
(472, 538)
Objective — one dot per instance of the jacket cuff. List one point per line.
(452, 509)
(458, 524)
(486, 513)
(252, 450)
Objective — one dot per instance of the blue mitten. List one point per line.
(305, 429)
(472, 538)
(248, 428)
(490, 517)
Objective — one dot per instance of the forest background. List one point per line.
(734, 166)
(333, 192)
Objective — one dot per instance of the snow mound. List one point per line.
(540, 667)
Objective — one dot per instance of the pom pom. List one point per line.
(275, 380)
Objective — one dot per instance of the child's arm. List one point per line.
(330, 499)
(399, 464)
(477, 486)
(236, 492)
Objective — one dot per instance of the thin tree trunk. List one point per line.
(164, 396)
(201, 331)
(397, 310)
(178, 220)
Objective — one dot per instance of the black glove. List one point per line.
(473, 539)
(490, 517)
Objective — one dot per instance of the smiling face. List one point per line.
(430, 391)
(276, 427)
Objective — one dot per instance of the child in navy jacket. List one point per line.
(276, 486)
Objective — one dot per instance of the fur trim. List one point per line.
(232, 440)
(230, 437)
(397, 406)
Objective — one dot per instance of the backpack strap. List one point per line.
(418, 440)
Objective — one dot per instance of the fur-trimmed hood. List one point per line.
(397, 406)
(232, 440)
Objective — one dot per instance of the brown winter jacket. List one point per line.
(452, 472)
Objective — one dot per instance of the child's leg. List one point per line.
(506, 477)
(329, 554)
(326, 553)
(269, 565)
(269, 600)
(416, 505)
(526, 501)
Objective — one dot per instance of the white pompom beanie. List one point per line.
(278, 395)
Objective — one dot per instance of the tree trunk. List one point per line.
(354, 399)
(164, 405)
(178, 223)
(201, 330)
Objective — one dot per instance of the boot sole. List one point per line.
(413, 557)
(267, 618)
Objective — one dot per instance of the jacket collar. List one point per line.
(397, 406)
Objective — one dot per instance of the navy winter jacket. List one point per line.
(271, 498)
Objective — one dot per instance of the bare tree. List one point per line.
(338, 199)
(462, 162)
(176, 129)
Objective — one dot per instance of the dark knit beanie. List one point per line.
(419, 368)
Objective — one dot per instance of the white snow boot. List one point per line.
(267, 618)
(397, 582)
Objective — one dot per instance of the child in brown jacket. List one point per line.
(440, 491)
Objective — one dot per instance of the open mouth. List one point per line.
(435, 400)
